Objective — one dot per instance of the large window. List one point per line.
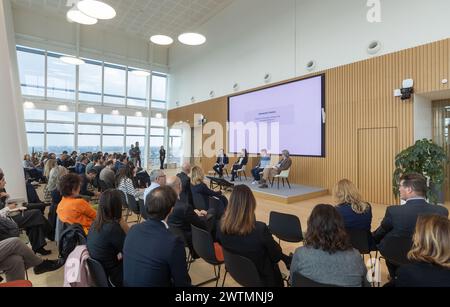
(175, 146)
(61, 78)
(32, 71)
(108, 114)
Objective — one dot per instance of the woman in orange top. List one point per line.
(73, 210)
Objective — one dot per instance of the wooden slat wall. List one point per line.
(358, 96)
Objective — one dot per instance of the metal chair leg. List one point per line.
(289, 185)
(224, 277)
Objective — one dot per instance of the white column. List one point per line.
(12, 130)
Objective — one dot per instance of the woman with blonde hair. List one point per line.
(240, 233)
(356, 213)
(199, 187)
(429, 255)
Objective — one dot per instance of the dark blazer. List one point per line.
(260, 247)
(186, 192)
(244, 161)
(206, 192)
(223, 160)
(422, 274)
(284, 164)
(400, 221)
(154, 257)
(353, 220)
(183, 216)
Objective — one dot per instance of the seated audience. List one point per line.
(108, 175)
(80, 168)
(243, 160)
(107, 236)
(121, 162)
(186, 192)
(157, 179)
(222, 161)
(400, 221)
(125, 181)
(264, 162)
(87, 179)
(16, 257)
(153, 256)
(30, 168)
(184, 215)
(356, 213)
(71, 209)
(327, 256)
(240, 233)
(430, 255)
(268, 173)
(198, 186)
(32, 220)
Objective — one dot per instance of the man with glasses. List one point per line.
(157, 179)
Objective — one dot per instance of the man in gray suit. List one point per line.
(400, 221)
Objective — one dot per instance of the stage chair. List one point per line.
(241, 171)
(283, 175)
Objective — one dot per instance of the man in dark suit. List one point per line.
(184, 215)
(222, 161)
(186, 192)
(162, 156)
(153, 256)
(400, 221)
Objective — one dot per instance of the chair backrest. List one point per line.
(286, 227)
(243, 168)
(242, 269)
(124, 199)
(133, 204)
(179, 233)
(204, 245)
(298, 280)
(285, 173)
(98, 273)
(359, 240)
(395, 249)
(143, 209)
(199, 201)
(103, 185)
(17, 284)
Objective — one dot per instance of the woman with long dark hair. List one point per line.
(327, 256)
(107, 235)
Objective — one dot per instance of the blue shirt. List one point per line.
(265, 162)
(353, 220)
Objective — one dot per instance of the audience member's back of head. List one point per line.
(239, 218)
(431, 241)
(416, 182)
(68, 184)
(109, 208)
(326, 230)
(155, 174)
(345, 192)
(160, 202)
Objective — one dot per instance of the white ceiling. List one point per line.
(143, 18)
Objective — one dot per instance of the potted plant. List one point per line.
(426, 158)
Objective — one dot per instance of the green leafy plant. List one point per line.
(426, 158)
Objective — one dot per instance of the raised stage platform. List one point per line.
(284, 194)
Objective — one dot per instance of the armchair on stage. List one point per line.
(284, 175)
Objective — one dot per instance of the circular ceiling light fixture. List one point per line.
(96, 9)
(192, 39)
(29, 105)
(74, 15)
(158, 115)
(162, 40)
(374, 47)
(140, 73)
(90, 110)
(138, 114)
(71, 60)
(115, 112)
(63, 108)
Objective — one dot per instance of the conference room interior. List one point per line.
(339, 89)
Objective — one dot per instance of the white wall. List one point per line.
(252, 37)
(56, 34)
(423, 118)
(11, 115)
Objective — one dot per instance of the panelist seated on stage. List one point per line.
(264, 162)
(222, 161)
(268, 173)
(240, 163)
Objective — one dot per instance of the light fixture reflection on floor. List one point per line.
(74, 15)
(96, 9)
(162, 40)
(71, 60)
(192, 39)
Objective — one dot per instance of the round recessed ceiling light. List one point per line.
(138, 114)
(63, 108)
(71, 60)
(163, 40)
(115, 112)
(90, 110)
(374, 47)
(192, 39)
(74, 15)
(140, 73)
(28, 105)
(158, 115)
(96, 9)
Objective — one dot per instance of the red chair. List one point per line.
(17, 284)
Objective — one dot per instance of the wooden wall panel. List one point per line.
(358, 96)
